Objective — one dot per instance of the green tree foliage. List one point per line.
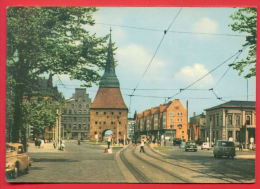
(245, 22)
(40, 114)
(50, 40)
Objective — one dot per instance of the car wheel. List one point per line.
(15, 171)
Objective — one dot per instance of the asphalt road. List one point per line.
(241, 169)
(173, 165)
(89, 164)
(77, 164)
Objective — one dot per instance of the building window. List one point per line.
(230, 134)
(119, 122)
(238, 120)
(96, 122)
(69, 111)
(171, 126)
(105, 113)
(119, 133)
(112, 113)
(79, 126)
(96, 113)
(112, 122)
(75, 119)
(104, 122)
(248, 118)
(79, 105)
(182, 132)
(229, 119)
(176, 107)
(120, 113)
(100, 122)
(180, 113)
(171, 113)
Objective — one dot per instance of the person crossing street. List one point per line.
(142, 147)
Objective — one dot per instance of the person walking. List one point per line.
(142, 147)
(109, 142)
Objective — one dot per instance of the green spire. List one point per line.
(109, 79)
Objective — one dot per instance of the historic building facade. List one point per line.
(108, 111)
(75, 116)
(167, 121)
(233, 120)
(197, 127)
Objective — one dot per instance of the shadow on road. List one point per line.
(53, 160)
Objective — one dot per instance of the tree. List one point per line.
(245, 22)
(40, 114)
(50, 40)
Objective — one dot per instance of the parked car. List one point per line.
(205, 146)
(224, 148)
(17, 160)
(191, 146)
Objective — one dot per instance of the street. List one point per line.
(87, 163)
(78, 163)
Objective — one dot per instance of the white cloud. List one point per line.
(205, 25)
(134, 59)
(189, 74)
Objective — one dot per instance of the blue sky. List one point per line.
(181, 59)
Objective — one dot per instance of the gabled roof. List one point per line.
(155, 110)
(234, 104)
(108, 98)
(163, 107)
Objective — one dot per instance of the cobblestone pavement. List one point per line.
(77, 164)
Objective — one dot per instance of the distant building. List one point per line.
(167, 121)
(131, 128)
(108, 112)
(197, 127)
(233, 120)
(75, 116)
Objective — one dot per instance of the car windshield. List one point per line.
(9, 148)
(225, 143)
(191, 143)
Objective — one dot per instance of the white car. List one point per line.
(205, 145)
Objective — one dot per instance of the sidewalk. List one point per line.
(47, 147)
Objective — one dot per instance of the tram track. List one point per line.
(139, 175)
(226, 179)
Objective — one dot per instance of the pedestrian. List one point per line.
(62, 146)
(108, 142)
(240, 147)
(78, 141)
(54, 144)
(142, 147)
(39, 143)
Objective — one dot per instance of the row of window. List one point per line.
(104, 122)
(75, 127)
(178, 114)
(75, 111)
(79, 105)
(106, 113)
(74, 118)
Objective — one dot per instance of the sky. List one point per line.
(185, 54)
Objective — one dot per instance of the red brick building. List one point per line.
(108, 111)
(167, 120)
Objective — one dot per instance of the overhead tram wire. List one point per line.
(157, 48)
(224, 74)
(172, 31)
(205, 75)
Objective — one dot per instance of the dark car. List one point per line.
(176, 141)
(224, 148)
(191, 146)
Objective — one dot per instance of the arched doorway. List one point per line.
(106, 133)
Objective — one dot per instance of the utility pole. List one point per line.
(188, 126)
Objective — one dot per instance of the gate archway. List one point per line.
(106, 133)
